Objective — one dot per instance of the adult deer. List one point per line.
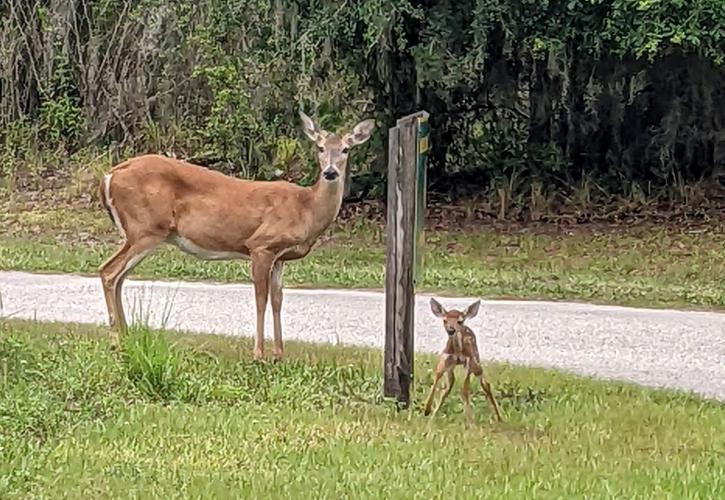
(154, 199)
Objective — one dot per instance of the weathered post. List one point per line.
(406, 203)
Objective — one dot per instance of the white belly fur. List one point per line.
(192, 248)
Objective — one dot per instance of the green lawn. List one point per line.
(192, 416)
(645, 266)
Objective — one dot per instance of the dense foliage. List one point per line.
(534, 98)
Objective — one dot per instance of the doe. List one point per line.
(154, 200)
(460, 349)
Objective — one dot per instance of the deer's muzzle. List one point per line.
(330, 173)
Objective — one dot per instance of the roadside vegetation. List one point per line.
(640, 264)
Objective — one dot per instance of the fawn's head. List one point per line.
(333, 150)
(453, 319)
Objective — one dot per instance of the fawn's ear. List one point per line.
(438, 310)
(472, 310)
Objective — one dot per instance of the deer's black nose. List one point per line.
(451, 331)
(330, 174)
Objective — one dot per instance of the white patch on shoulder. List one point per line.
(109, 202)
(188, 246)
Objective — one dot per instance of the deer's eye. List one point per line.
(345, 151)
(320, 149)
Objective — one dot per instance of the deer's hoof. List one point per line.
(115, 341)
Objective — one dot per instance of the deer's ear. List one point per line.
(472, 310)
(309, 127)
(438, 310)
(361, 132)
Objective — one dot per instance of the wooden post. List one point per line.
(403, 249)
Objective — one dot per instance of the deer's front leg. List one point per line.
(445, 363)
(261, 267)
(276, 298)
(451, 381)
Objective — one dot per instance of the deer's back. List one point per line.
(199, 203)
(157, 174)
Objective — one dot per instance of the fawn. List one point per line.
(461, 349)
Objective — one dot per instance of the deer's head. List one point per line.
(453, 319)
(333, 150)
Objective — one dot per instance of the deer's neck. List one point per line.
(326, 201)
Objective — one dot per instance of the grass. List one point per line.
(644, 266)
(175, 416)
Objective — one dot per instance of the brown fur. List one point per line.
(460, 349)
(162, 200)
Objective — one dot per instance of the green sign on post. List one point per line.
(421, 189)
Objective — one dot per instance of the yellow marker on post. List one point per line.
(421, 191)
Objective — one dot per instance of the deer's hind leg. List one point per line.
(466, 395)
(486, 386)
(114, 271)
(109, 290)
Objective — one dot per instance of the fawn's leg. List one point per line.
(445, 363)
(429, 399)
(451, 381)
(466, 395)
(275, 295)
(262, 261)
(486, 386)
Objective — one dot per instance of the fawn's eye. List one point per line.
(320, 149)
(345, 151)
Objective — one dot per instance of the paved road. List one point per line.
(684, 350)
